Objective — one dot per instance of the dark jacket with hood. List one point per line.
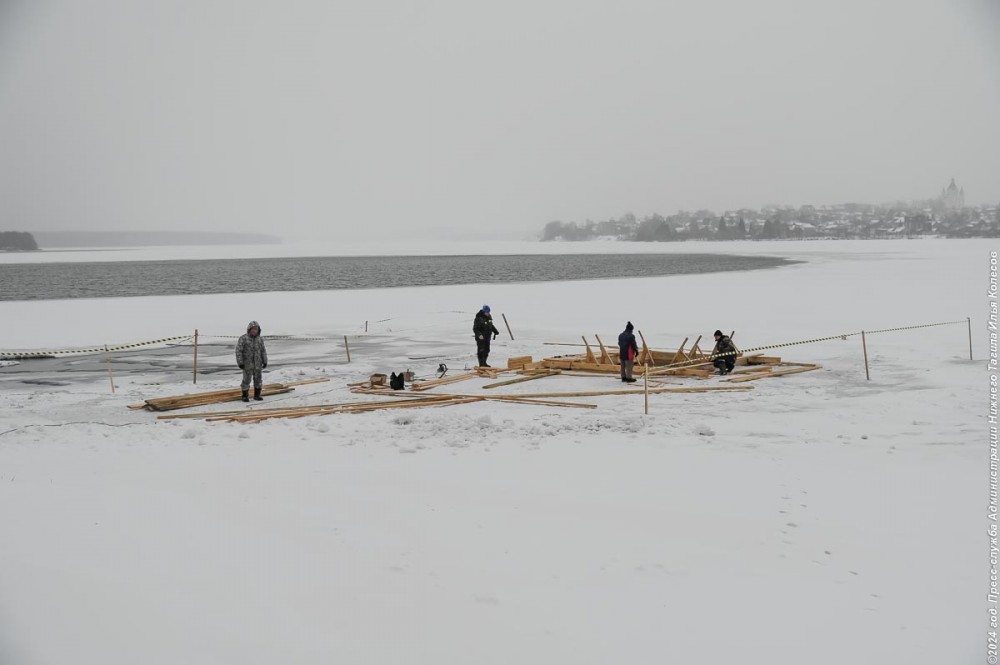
(483, 325)
(626, 342)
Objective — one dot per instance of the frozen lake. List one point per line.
(47, 281)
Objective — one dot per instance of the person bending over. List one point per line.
(724, 345)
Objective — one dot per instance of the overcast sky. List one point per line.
(351, 119)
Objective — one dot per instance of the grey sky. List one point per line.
(355, 119)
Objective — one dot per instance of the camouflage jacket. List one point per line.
(250, 352)
(724, 345)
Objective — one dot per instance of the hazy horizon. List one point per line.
(447, 119)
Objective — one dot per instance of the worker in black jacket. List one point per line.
(628, 351)
(485, 332)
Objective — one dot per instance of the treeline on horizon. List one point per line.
(850, 220)
(21, 241)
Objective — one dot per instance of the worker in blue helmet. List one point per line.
(485, 332)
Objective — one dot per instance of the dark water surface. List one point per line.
(46, 281)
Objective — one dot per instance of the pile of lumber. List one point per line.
(574, 393)
(684, 362)
(216, 396)
(258, 415)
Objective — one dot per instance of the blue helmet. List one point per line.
(486, 308)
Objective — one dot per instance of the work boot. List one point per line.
(246, 395)
(256, 394)
(630, 380)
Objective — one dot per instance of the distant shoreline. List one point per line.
(112, 240)
(57, 281)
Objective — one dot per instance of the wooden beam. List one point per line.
(679, 355)
(590, 353)
(605, 356)
(645, 357)
(696, 351)
(521, 379)
(427, 385)
(768, 375)
(517, 362)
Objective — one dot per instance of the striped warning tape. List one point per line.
(713, 356)
(279, 337)
(8, 355)
(925, 325)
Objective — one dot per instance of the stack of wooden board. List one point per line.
(257, 415)
(216, 396)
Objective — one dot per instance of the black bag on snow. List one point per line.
(396, 381)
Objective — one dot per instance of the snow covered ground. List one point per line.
(819, 518)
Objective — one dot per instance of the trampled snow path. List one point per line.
(819, 518)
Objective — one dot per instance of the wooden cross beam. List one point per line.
(645, 356)
(605, 356)
(680, 356)
(696, 351)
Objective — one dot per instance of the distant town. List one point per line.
(945, 216)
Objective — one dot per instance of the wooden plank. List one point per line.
(768, 375)
(681, 369)
(755, 370)
(600, 393)
(590, 352)
(213, 397)
(356, 409)
(252, 410)
(427, 385)
(522, 379)
(306, 382)
(583, 366)
(541, 402)
(763, 360)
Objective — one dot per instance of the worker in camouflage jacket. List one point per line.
(724, 345)
(251, 356)
(485, 332)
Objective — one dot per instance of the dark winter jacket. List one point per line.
(483, 325)
(250, 351)
(724, 345)
(626, 341)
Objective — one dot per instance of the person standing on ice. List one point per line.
(723, 344)
(251, 356)
(628, 351)
(485, 332)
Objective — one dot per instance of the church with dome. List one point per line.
(953, 197)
